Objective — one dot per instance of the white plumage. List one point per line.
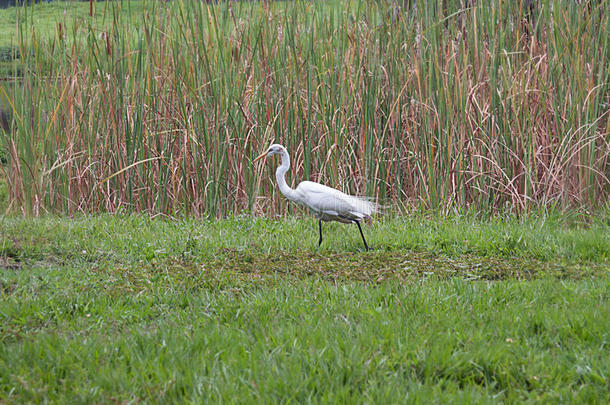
(326, 203)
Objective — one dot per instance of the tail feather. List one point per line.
(364, 207)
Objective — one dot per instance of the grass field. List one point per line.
(127, 308)
(43, 18)
(54, 20)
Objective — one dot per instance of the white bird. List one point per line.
(326, 203)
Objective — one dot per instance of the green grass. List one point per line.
(128, 308)
(43, 20)
(565, 236)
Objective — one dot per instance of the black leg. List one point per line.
(361, 234)
(320, 241)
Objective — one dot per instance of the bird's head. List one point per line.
(274, 149)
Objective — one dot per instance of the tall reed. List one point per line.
(444, 104)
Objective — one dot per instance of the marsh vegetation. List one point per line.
(160, 106)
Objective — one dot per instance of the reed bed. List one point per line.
(494, 105)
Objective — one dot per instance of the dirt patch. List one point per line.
(379, 266)
(7, 263)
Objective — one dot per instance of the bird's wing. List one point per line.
(329, 201)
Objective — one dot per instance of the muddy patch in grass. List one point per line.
(379, 266)
(8, 263)
(233, 270)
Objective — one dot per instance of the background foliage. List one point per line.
(445, 104)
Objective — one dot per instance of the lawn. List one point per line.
(50, 21)
(128, 308)
(44, 19)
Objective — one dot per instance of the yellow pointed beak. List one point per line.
(260, 157)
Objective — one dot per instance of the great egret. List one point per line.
(326, 203)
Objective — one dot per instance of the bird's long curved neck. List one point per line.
(280, 175)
